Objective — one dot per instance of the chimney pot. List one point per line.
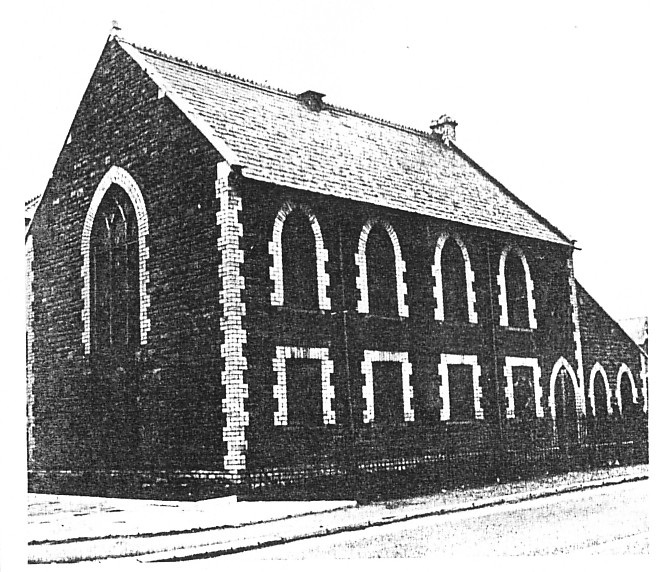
(444, 128)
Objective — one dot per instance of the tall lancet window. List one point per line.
(115, 278)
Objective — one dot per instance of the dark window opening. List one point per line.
(115, 277)
(523, 392)
(299, 259)
(516, 292)
(381, 273)
(115, 329)
(454, 283)
(566, 416)
(628, 407)
(461, 392)
(304, 395)
(601, 405)
(388, 393)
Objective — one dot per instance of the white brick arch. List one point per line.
(116, 176)
(501, 280)
(618, 393)
(438, 289)
(562, 363)
(598, 368)
(275, 249)
(361, 281)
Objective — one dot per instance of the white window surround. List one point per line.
(438, 289)
(443, 370)
(372, 356)
(284, 353)
(644, 377)
(501, 280)
(275, 249)
(532, 363)
(578, 390)
(634, 390)
(598, 368)
(361, 281)
(116, 175)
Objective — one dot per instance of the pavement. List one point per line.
(64, 528)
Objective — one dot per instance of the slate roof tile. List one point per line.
(337, 152)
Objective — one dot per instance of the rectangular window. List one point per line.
(388, 392)
(304, 397)
(523, 392)
(461, 392)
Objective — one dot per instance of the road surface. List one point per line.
(609, 521)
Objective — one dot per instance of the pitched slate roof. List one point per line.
(276, 138)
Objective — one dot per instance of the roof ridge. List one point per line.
(616, 322)
(155, 62)
(34, 199)
(275, 90)
(164, 55)
(518, 200)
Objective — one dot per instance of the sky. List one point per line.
(555, 100)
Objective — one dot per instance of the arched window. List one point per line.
(516, 292)
(114, 250)
(454, 280)
(565, 402)
(381, 269)
(599, 392)
(601, 410)
(381, 273)
(299, 261)
(117, 179)
(628, 408)
(454, 283)
(115, 325)
(626, 393)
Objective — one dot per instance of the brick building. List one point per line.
(227, 280)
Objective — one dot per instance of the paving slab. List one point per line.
(69, 529)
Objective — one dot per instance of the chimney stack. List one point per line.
(312, 99)
(444, 128)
